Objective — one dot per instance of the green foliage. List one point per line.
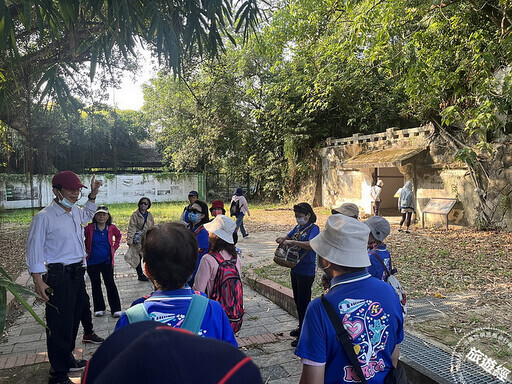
(96, 137)
(37, 63)
(505, 204)
(7, 284)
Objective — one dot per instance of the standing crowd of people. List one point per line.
(195, 268)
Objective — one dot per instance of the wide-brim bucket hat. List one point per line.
(343, 242)
(348, 209)
(223, 227)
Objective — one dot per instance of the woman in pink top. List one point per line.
(220, 270)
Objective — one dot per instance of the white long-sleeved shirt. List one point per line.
(57, 236)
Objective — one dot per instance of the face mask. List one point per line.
(301, 221)
(193, 217)
(65, 202)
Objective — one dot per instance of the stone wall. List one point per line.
(15, 189)
(434, 174)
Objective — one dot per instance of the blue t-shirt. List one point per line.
(100, 248)
(371, 314)
(376, 269)
(170, 307)
(306, 267)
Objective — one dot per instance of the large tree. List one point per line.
(44, 43)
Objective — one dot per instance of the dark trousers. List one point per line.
(376, 207)
(63, 313)
(107, 271)
(406, 216)
(86, 318)
(138, 268)
(301, 286)
(240, 224)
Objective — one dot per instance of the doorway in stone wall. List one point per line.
(393, 180)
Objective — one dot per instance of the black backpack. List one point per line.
(234, 209)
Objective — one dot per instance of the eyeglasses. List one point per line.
(192, 210)
(144, 203)
(103, 207)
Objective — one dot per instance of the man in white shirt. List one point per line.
(55, 259)
(375, 196)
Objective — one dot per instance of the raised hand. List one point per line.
(95, 186)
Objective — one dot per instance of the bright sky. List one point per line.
(130, 96)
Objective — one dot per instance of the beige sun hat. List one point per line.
(343, 242)
(223, 227)
(348, 209)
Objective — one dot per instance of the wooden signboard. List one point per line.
(438, 206)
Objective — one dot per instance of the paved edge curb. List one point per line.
(279, 295)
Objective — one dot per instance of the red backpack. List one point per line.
(227, 290)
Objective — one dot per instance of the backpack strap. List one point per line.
(195, 313)
(343, 338)
(220, 259)
(198, 229)
(137, 313)
(386, 270)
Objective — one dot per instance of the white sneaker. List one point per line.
(99, 313)
(117, 314)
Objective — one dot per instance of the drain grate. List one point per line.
(438, 361)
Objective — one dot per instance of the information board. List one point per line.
(439, 205)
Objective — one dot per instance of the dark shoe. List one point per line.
(78, 365)
(143, 278)
(246, 235)
(407, 231)
(399, 229)
(92, 339)
(295, 342)
(63, 380)
(295, 332)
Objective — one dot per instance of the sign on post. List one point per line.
(438, 206)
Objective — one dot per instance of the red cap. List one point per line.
(217, 204)
(67, 180)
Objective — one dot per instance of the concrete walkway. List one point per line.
(264, 335)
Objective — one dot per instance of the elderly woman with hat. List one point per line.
(303, 274)
(102, 238)
(368, 308)
(217, 208)
(222, 249)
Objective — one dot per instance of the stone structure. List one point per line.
(350, 166)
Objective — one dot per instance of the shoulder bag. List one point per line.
(290, 256)
(137, 236)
